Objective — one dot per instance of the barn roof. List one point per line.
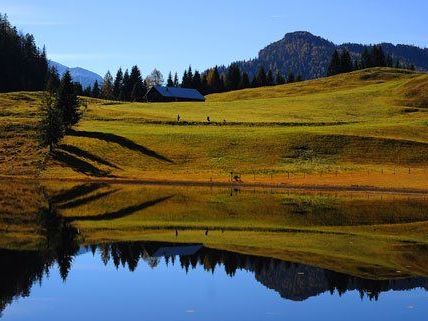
(183, 93)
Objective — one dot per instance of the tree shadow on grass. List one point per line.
(85, 200)
(85, 154)
(120, 213)
(122, 141)
(75, 192)
(77, 164)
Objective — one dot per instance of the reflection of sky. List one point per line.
(95, 292)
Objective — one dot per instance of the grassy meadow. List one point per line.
(366, 128)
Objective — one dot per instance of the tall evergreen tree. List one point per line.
(51, 127)
(366, 59)
(117, 85)
(23, 66)
(138, 88)
(280, 79)
(107, 87)
(87, 92)
(346, 64)
(138, 92)
(96, 90)
(68, 102)
(245, 81)
(185, 83)
(125, 91)
(233, 77)
(54, 81)
(261, 78)
(270, 81)
(170, 81)
(378, 55)
(197, 81)
(176, 81)
(334, 67)
(213, 80)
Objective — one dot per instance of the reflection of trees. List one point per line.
(293, 281)
(20, 269)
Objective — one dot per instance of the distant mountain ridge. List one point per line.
(84, 77)
(309, 56)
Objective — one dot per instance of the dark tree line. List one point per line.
(23, 66)
(61, 109)
(342, 62)
(233, 78)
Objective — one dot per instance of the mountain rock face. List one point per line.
(309, 56)
(84, 77)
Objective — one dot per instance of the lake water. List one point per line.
(165, 281)
(103, 252)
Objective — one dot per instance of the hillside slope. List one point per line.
(363, 128)
(309, 56)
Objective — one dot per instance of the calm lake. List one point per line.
(96, 251)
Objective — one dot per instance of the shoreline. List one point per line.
(195, 183)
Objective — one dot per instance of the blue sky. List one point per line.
(171, 34)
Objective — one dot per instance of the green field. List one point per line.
(331, 131)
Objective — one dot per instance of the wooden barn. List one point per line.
(170, 94)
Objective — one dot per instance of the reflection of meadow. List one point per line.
(223, 208)
(358, 233)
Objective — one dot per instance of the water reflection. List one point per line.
(19, 270)
(54, 222)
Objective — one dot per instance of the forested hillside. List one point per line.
(23, 66)
(309, 56)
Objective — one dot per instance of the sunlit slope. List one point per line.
(364, 128)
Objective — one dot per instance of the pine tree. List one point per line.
(54, 81)
(96, 90)
(389, 61)
(68, 102)
(378, 55)
(185, 83)
(117, 85)
(197, 81)
(366, 59)
(125, 91)
(170, 82)
(51, 129)
(137, 87)
(233, 77)
(245, 81)
(190, 76)
(280, 79)
(213, 80)
(270, 81)
(345, 62)
(335, 67)
(261, 78)
(107, 87)
(138, 92)
(87, 92)
(23, 66)
(176, 81)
